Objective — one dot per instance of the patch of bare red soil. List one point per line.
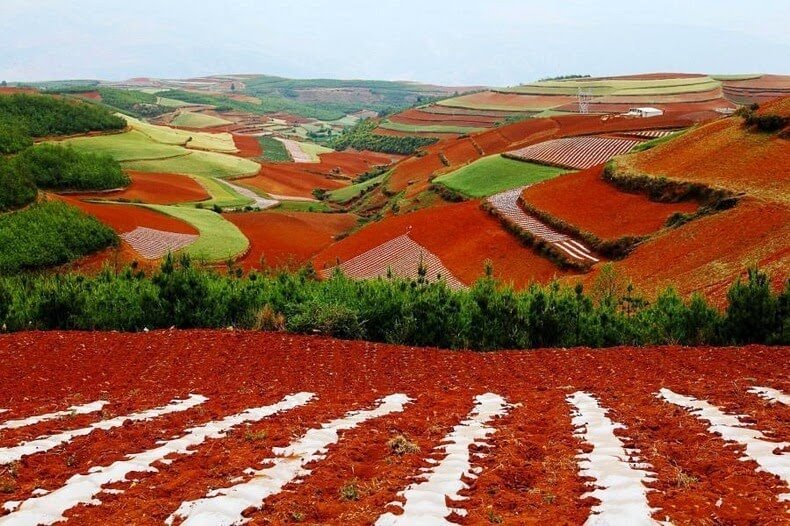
(415, 116)
(287, 238)
(529, 470)
(126, 217)
(156, 188)
(248, 146)
(707, 254)
(291, 179)
(585, 200)
(93, 95)
(725, 154)
(461, 235)
(8, 90)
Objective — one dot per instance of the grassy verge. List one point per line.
(346, 194)
(219, 239)
(274, 150)
(494, 174)
(222, 195)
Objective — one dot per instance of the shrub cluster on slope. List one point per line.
(17, 189)
(412, 312)
(48, 234)
(133, 102)
(62, 168)
(361, 137)
(43, 115)
(13, 137)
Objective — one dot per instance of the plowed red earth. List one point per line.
(706, 255)
(462, 235)
(725, 154)
(529, 470)
(335, 170)
(156, 188)
(287, 238)
(125, 218)
(585, 200)
(248, 146)
(426, 119)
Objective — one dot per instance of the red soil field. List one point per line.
(462, 235)
(248, 146)
(156, 188)
(418, 117)
(125, 218)
(707, 254)
(725, 154)
(529, 468)
(590, 203)
(93, 95)
(290, 179)
(7, 90)
(513, 101)
(287, 238)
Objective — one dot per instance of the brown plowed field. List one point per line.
(248, 146)
(156, 188)
(585, 200)
(125, 218)
(426, 119)
(725, 154)
(528, 470)
(291, 179)
(707, 254)
(462, 235)
(287, 238)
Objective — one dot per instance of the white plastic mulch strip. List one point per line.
(768, 455)
(770, 394)
(73, 410)
(83, 489)
(425, 501)
(619, 478)
(225, 506)
(47, 442)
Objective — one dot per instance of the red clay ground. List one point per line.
(125, 218)
(723, 154)
(462, 235)
(588, 202)
(156, 188)
(248, 146)
(529, 475)
(707, 254)
(287, 238)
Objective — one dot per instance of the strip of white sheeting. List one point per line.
(83, 489)
(771, 394)
(225, 506)
(73, 410)
(619, 478)
(425, 501)
(731, 429)
(47, 442)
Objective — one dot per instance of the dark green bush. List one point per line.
(44, 115)
(361, 137)
(404, 311)
(13, 137)
(48, 234)
(63, 168)
(16, 188)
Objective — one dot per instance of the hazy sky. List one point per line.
(459, 42)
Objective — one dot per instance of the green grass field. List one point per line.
(190, 119)
(436, 128)
(214, 142)
(222, 195)
(219, 239)
(171, 103)
(274, 150)
(128, 146)
(208, 164)
(343, 195)
(617, 87)
(493, 174)
(314, 150)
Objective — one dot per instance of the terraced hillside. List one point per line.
(453, 436)
(673, 93)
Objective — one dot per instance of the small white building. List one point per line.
(645, 111)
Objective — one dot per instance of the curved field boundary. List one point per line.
(257, 201)
(574, 152)
(82, 409)
(401, 256)
(433, 128)
(154, 244)
(189, 119)
(506, 203)
(222, 195)
(302, 152)
(218, 240)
